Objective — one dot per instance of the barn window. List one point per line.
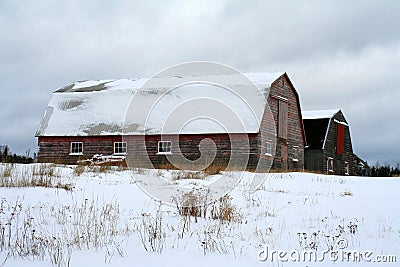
(119, 147)
(330, 164)
(164, 147)
(295, 153)
(346, 168)
(268, 150)
(76, 148)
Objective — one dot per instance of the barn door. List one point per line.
(282, 121)
(340, 139)
(284, 151)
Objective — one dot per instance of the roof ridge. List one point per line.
(319, 113)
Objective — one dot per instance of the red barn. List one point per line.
(119, 117)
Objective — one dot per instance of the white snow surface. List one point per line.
(341, 122)
(84, 84)
(319, 114)
(285, 209)
(167, 105)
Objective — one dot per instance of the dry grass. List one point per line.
(179, 175)
(214, 169)
(41, 175)
(105, 168)
(79, 170)
(7, 170)
(294, 170)
(89, 224)
(80, 226)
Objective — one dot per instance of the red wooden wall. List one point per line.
(340, 139)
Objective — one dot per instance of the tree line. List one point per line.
(385, 170)
(6, 156)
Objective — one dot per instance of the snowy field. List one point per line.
(100, 217)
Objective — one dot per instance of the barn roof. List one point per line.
(316, 126)
(105, 107)
(319, 114)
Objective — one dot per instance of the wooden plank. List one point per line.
(283, 118)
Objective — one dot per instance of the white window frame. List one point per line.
(123, 147)
(71, 149)
(346, 168)
(330, 167)
(164, 152)
(268, 148)
(295, 153)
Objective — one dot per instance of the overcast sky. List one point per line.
(338, 54)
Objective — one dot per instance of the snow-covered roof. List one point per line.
(124, 106)
(319, 114)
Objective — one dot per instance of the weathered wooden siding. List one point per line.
(143, 150)
(331, 151)
(316, 159)
(140, 148)
(57, 148)
(313, 160)
(282, 91)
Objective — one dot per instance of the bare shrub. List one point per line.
(224, 211)
(195, 203)
(211, 243)
(329, 234)
(264, 236)
(151, 231)
(216, 238)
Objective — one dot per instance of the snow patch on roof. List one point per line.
(319, 114)
(83, 84)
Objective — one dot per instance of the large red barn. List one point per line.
(106, 117)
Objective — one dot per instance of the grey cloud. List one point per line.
(338, 54)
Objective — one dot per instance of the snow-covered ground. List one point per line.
(106, 220)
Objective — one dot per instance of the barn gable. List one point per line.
(316, 124)
(284, 102)
(329, 147)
